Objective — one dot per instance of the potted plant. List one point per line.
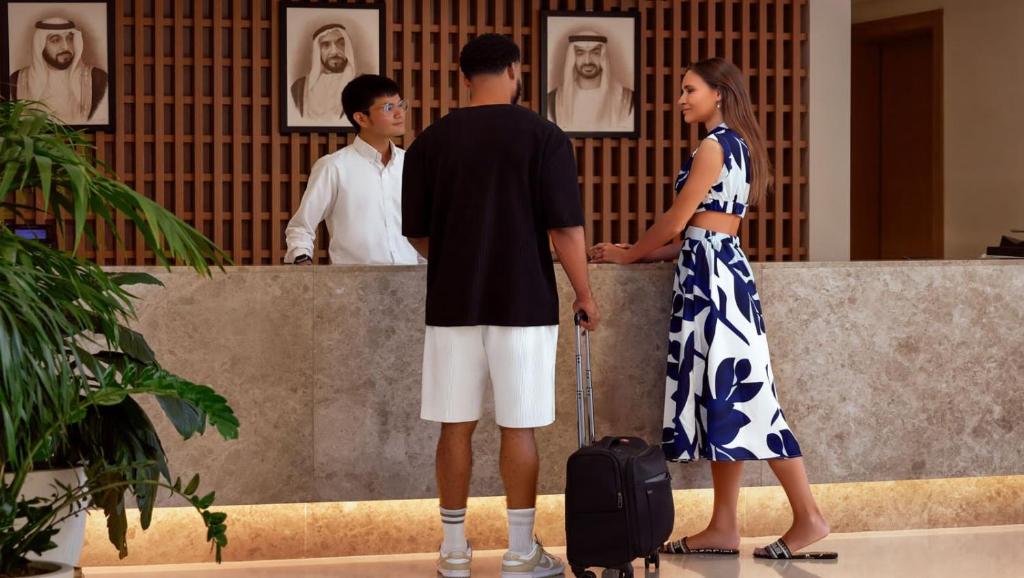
(70, 367)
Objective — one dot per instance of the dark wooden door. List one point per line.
(896, 164)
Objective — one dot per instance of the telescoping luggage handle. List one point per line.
(584, 399)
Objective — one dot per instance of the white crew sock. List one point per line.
(454, 522)
(520, 530)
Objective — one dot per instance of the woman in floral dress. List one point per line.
(721, 403)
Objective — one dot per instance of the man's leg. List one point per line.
(522, 369)
(455, 463)
(520, 465)
(454, 470)
(454, 379)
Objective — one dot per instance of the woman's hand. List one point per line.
(609, 253)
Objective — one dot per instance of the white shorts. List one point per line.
(459, 363)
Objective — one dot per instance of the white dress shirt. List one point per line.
(361, 200)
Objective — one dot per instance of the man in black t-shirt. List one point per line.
(484, 190)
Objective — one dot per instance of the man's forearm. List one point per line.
(299, 240)
(571, 247)
(421, 244)
(300, 234)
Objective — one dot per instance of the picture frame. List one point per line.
(62, 55)
(322, 48)
(593, 87)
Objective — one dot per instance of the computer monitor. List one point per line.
(45, 234)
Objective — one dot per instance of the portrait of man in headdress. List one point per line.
(54, 60)
(332, 65)
(325, 46)
(586, 92)
(589, 97)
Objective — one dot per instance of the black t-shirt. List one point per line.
(485, 184)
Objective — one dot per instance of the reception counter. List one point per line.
(903, 381)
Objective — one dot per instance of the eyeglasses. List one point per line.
(389, 107)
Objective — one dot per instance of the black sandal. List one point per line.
(680, 547)
(778, 550)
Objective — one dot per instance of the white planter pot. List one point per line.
(56, 569)
(72, 531)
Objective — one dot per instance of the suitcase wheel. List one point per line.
(582, 573)
(653, 560)
(624, 571)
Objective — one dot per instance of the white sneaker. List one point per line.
(537, 564)
(455, 564)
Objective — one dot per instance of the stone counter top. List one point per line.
(306, 269)
(886, 370)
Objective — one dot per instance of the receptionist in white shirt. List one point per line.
(358, 190)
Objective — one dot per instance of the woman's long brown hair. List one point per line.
(738, 113)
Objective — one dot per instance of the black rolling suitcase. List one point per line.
(618, 492)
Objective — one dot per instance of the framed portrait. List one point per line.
(590, 72)
(62, 55)
(323, 47)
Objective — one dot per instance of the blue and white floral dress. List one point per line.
(720, 398)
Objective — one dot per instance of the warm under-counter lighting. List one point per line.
(281, 531)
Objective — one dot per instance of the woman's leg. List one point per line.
(723, 530)
(809, 524)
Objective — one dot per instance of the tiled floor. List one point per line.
(992, 552)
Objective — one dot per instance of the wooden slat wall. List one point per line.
(197, 111)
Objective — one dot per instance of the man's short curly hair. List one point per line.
(488, 54)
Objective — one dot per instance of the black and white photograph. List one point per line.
(61, 55)
(590, 72)
(323, 47)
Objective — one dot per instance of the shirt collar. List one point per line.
(369, 153)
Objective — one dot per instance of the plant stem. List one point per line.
(78, 495)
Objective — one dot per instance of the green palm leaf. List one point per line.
(70, 363)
